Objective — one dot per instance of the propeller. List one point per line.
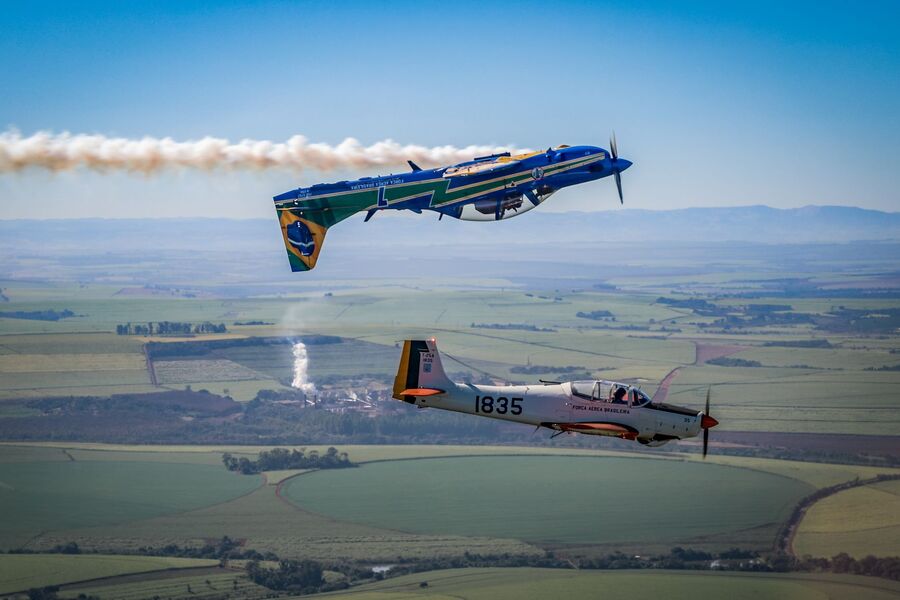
(614, 150)
(707, 423)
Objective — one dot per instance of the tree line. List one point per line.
(307, 576)
(280, 459)
(38, 315)
(169, 328)
(785, 536)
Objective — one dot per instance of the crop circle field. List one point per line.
(48, 496)
(565, 499)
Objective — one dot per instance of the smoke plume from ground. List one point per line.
(64, 151)
(301, 367)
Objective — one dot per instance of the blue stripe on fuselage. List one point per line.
(543, 160)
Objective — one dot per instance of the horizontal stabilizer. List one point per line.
(422, 392)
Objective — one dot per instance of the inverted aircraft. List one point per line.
(487, 188)
(596, 407)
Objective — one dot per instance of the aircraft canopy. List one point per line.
(610, 391)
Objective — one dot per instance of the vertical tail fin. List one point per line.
(420, 372)
(303, 238)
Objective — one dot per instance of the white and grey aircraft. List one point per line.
(592, 407)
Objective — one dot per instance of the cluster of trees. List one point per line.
(303, 576)
(223, 550)
(596, 315)
(51, 592)
(280, 459)
(511, 326)
(761, 319)
(886, 567)
(863, 321)
(724, 361)
(37, 315)
(169, 328)
(307, 576)
(697, 305)
(814, 343)
(748, 315)
(734, 559)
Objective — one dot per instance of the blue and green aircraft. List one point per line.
(487, 188)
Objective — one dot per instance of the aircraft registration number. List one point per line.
(500, 405)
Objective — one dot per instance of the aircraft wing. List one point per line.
(597, 428)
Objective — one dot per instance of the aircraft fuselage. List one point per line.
(594, 407)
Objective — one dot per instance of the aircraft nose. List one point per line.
(621, 164)
(707, 422)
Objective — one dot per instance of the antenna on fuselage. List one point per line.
(413, 166)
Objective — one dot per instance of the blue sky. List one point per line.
(717, 103)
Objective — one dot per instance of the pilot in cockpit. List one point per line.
(638, 398)
(619, 396)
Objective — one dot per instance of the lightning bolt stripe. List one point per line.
(432, 186)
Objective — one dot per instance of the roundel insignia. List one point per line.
(537, 173)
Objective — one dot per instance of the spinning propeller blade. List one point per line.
(614, 151)
(707, 423)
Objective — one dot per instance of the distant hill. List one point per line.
(759, 224)
(762, 224)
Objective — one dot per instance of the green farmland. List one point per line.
(452, 500)
(579, 500)
(801, 375)
(859, 521)
(538, 584)
(48, 496)
(794, 389)
(211, 584)
(23, 571)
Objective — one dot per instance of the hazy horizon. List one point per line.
(716, 105)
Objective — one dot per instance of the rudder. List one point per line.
(303, 239)
(420, 372)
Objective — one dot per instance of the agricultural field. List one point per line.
(20, 572)
(39, 496)
(125, 500)
(537, 584)
(576, 500)
(859, 521)
(802, 369)
(794, 389)
(211, 584)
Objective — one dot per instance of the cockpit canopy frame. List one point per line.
(602, 390)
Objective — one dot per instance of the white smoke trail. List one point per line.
(301, 367)
(64, 151)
